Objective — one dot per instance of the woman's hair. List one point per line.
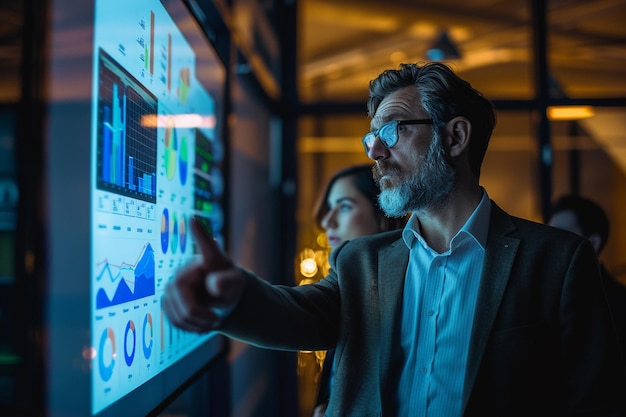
(443, 96)
(363, 180)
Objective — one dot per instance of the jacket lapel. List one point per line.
(393, 261)
(499, 256)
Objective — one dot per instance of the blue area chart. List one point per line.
(131, 281)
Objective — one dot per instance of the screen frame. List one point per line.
(66, 349)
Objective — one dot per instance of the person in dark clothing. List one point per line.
(587, 218)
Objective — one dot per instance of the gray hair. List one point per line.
(444, 95)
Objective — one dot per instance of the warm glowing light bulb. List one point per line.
(308, 267)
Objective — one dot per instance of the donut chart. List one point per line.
(130, 340)
(106, 354)
(148, 336)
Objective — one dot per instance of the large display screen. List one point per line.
(149, 157)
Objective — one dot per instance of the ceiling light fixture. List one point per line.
(570, 112)
(443, 49)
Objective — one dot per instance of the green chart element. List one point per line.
(171, 149)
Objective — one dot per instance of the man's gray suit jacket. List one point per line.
(541, 341)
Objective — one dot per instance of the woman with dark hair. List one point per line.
(349, 206)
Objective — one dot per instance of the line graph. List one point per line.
(125, 281)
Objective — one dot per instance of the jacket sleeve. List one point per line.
(283, 317)
(593, 371)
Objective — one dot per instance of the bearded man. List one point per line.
(468, 311)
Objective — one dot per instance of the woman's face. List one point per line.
(350, 213)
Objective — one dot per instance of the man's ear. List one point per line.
(458, 132)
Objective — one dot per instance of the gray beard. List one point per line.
(427, 189)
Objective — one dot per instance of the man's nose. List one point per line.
(377, 150)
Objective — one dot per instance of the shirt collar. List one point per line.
(476, 226)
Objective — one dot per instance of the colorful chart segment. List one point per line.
(165, 230)
(176, 152)
(130, 342)
(106, 357)
(148, 336)
(171, 148)
(131, 281)
(173, 232)
(127, 150)
(182, 233)
(183, 160)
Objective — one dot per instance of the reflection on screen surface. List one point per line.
(155, 164)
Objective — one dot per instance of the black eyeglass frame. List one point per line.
(390, 142)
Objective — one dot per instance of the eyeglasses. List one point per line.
(388, 133)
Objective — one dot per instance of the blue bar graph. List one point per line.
(127, 150)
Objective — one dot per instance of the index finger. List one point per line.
(212, 256)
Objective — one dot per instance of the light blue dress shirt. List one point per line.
(440, 292)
